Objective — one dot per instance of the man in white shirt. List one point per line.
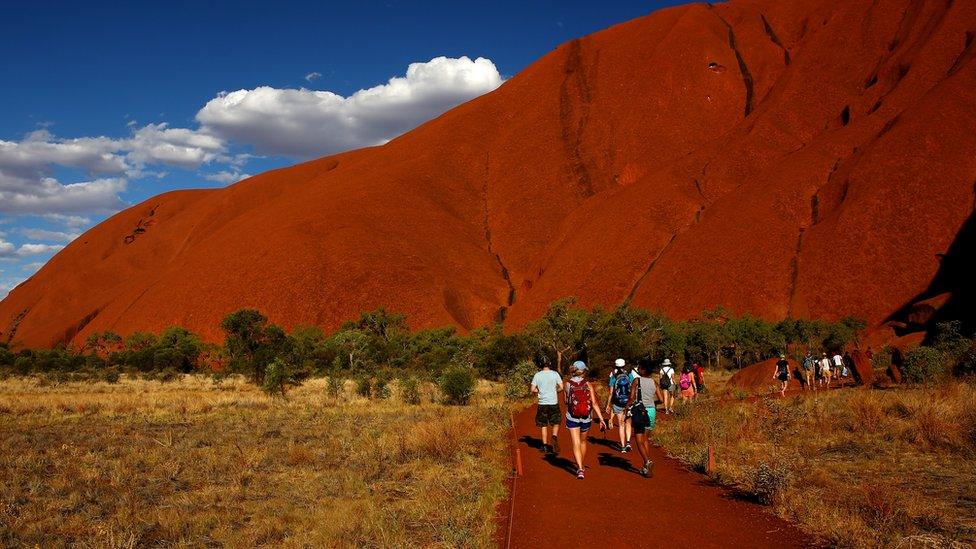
(546, 384)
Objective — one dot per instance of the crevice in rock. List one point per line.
(743, 69)
(845, 115)
(15, 323)
(699, 189)
(775, 39)
(633, 291)
(795, 271)
(503, 311)
(966, 53)
(575, 85)
(72, 331)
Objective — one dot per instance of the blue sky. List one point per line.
(103, 104)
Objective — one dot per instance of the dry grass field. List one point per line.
(854, 467)
(198, 463)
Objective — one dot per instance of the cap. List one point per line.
(579, 366)
(620, 363)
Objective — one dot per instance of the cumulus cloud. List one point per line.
(50, 196)
(44, 234)
(70, 221)
(312, 76)
(306, 123)
(8, 250)
(226, 177)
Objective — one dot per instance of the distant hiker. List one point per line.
(699, 376)
(848, 365)
(642, 405)
(809, 367)
(836, 369)
(546, 383)
(870, 355)
(825, 371)
(620, 381)
(579, 412)
(687, 383)
(782, 373)
(668, 385)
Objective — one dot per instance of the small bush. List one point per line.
(381, 387)
(457, 384)
(110, 375)
(769, 481)
(410, 390)
(519, 379)
(923, 364)
(364, 386)
(275, 376)
(335, 385)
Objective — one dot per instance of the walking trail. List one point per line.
(616, 507)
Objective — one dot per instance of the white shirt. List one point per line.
(825, 363)
(838, 360)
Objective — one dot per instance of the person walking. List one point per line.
(699, 377)
(837, 368)
(809, 365)
(546, 383)
(687, 383)
(782, 373)
(580, 396)
(668, 386)
(644, 411)
(620, 380)
(825, 371)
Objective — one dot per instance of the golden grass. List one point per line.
(193, 463)
(854, 467)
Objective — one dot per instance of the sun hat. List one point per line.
(782, 355)
(667, 362)
(579, 366)
(620, 363)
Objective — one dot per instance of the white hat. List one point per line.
(620, 363)
(667, 362)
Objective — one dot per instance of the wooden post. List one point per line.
(711, 461)
(518, 461)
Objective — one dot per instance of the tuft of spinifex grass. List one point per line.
(193, 462)
(856, 468)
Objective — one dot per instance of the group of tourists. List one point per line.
(816, 371)
(631, 402)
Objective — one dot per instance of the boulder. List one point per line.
(861, 368)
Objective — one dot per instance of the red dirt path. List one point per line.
(614, 491)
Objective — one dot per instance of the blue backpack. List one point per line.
(621, 388)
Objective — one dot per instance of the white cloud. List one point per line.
(312, 76)
(308, 123)
(44, 234)
(226, 177)
(159, 144)
(8, 250)
(49, 196)
(70, 221)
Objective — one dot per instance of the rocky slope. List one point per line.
(804, 158)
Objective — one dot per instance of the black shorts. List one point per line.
(547, 414)
(644, 419)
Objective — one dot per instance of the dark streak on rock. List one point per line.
(775, 39)
(795, 272)
(503, 311)
(575, 85)
(966, 53)
(633, 291)
(743, 69)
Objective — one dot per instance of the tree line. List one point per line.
(380, 343)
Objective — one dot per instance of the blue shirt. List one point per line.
(546, 381)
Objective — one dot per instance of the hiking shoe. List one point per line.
(580, 475)
(555, 444)
(627, 448)
(648, 469)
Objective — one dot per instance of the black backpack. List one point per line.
(665, 380)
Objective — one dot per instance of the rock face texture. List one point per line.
(758, 378)
(804, 158)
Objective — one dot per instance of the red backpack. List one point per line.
(580, 404)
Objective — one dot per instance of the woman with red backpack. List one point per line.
(687, 383)
(580, 398)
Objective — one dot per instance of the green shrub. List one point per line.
(275, 377)
(923, 364)
(457, 384)
(770, 480)
(364, 386)
(410, 390)
(381, 387)
(110, 375)
(335, 385)
(519, 379)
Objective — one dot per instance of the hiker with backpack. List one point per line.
(809, 366)
(699, 377)
(825, 371)
(668, 386)
(686, 382)
(546, 384)
(641, 402)
(580, 397)
(620, 381)
(782, 373)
